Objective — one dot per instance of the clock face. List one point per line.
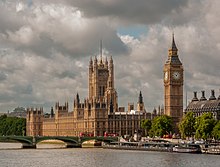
(176, 75)
(166, 75)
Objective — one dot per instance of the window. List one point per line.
(100, 91)
(97, 124)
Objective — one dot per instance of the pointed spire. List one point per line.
(100, 51)
(174, 48)
(140, 100)
(106, 61)
(77, 98)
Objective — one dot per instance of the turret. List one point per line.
(140, 104)
(203, 96)
(212, 97)
(195, 97)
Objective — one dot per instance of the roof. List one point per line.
(173, 60)
(204, 106)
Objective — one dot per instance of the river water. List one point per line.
(47, 155)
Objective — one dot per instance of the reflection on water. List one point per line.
(10, 145)
(40, 145)
(98, 157)
(47, 145)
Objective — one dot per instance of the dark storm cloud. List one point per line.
(61, 29)
(130, 11)
(140, 11)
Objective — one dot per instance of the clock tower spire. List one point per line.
(173, 84)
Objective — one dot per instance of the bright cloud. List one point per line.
(45, 48)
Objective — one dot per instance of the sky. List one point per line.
(45, 47)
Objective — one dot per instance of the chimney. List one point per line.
(195, 97)
(203, 96)
(212, 97)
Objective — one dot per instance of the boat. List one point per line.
(141, 146)
(187, 148)
(211, 150)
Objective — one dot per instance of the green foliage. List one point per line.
(161, 125)
(146, 124)
(204, 126)
(12, 126)
(187, 125)
(216, 131)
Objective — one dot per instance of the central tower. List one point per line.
(101, 82)
(173, 84)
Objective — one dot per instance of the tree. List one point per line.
(12, 126)
(187, 125)
(216, 131)
(161, 125)
(146, 124)
(204, 126)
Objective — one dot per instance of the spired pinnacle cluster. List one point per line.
(94, 116)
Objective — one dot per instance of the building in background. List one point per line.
(204, 105)
(18, 112)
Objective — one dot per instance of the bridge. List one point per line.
(70, 141)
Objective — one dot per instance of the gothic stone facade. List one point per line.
(97, 114)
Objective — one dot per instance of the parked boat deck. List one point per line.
(154, 146)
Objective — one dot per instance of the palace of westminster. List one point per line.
(99, 113)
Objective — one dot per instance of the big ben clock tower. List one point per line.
(173, 84)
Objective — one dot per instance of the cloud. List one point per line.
(129, 11)
(50, 27)
(45, 48)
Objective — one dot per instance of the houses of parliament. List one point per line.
(99, 113)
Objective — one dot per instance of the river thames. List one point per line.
(51, 156)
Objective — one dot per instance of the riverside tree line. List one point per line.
(202, 127)
(12, 126)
